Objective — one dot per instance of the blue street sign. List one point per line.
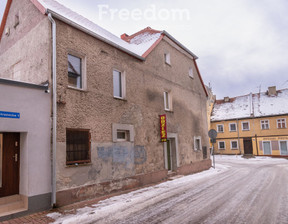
(7, 114)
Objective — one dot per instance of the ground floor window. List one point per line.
(221, 145)
(197, 143)
(234, 145)
(77, 146)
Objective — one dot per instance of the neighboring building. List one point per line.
(210, 103)
(110, 95)
(252, 124)
(25, 164)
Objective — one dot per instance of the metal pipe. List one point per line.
(54, 105)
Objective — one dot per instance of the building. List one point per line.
(252, 124)
(25, 164)
(126, 111)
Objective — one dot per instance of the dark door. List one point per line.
(248, 148)
(10, 164)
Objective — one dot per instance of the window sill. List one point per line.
(74, 88)
(167, 110)
(119, 98)
(77, 165)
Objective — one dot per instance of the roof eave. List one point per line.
(85, 30)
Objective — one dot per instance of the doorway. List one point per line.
(9, 165)
(248, 148)
(171, 154)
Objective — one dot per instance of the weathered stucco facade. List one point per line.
(117, 164)
(139, 159)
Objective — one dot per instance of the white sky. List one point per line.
(241, 44)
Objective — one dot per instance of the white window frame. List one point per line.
(279, 120)
(123, 84)
(263, 124)
(191, 73)
(219, 125)
(270, 144)
(167, 100)
(248, 125)
(167, 58)
(231, 146)
(129, 129)
(279, 142)
(200, 143)
(83, 70)
(230, 127)
(219, 145)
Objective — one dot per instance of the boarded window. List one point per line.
(77, 146)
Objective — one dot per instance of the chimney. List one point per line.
(124, 36)
(226, 99)
(272, 91)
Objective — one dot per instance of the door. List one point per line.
(248, 148)
(267, 148)
(171, 159)
(10, 164)
(283, 148)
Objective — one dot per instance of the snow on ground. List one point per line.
(132, 199)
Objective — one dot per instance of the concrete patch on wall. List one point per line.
(140, 155)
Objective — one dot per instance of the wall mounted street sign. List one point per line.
(7, 114)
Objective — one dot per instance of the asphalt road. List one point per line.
(246, 191)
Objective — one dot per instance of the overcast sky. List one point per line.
(242, 45)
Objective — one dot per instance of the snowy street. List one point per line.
(237, 191)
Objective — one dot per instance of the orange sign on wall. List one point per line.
(163, 128)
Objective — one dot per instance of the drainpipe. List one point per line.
(238, 136)
(54, 105)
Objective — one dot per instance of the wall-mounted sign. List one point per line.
(7, 114)
(163, 128)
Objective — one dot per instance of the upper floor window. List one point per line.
(167, 58)
(118, 84)
(281, 123)
(264, 124)
(221, 145)
(245, 126)
(232, 127)
(77, 146)
(220, 128)
(197, 143)
(167, 101)
(191, 74)
(75, 76)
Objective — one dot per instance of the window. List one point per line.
(234, 144)
(75, 75)
(118, 84)
(191, 72)
(197, 143)
(77, 146)
(281, 123)
(221, 145)
(220, 128)
(232, 127)
(264, 124)
(122, 132)
(167, 101)
(245, 126)
(122, 135)
(167, 58)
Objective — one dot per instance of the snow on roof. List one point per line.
(241, 107)
(138, 46)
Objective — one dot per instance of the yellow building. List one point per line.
(252, 124)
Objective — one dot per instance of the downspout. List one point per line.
(238, 135)
(54, 105)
